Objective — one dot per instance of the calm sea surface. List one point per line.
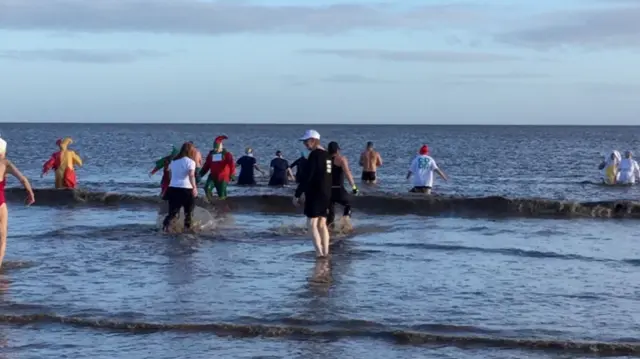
(98, 280)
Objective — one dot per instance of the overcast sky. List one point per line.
(318, 61)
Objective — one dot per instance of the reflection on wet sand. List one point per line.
(321, 279)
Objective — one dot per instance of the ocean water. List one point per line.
(522, 254)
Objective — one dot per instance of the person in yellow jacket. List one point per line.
(62, 162)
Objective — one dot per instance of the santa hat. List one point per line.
(218, 141)
(424, 150)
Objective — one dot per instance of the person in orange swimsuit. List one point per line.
(8, 168)
(62, 162)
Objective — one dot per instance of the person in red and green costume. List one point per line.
(221, 168)
(163, 164)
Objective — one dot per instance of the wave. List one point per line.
(299, 332)
(376, 204)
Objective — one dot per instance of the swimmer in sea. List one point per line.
(8, 168)
(316, 186)
(279, 171)
(370, 160)
(63, 162)
(339, 170)
(247, 164)
(299, 165)
(609, 168)
(222, 168)
(628, 170)
(422, 167)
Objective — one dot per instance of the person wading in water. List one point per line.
(339, 170)
(316, 186)
(8, 168)
(370, 160)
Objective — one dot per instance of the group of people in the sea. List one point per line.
(320, 177)
(619, 171)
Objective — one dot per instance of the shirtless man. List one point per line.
(370, 160)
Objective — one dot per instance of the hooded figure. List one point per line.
(609, 168)
(163, 164)
(62, 162)
(221, 168)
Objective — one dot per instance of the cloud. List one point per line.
(293, 80)
(354, 79)
(220, 17)
(412, 56)
(79, 55)
(503, 76)
(610, 27)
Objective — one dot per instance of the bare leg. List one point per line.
(4, 220)
(324, 234)
(317, 241)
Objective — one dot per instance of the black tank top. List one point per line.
(337, 175)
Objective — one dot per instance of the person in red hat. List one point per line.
(221, 168)
(422, 168)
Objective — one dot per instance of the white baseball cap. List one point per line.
(309, 135)
(3, 146)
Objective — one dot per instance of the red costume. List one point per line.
(62, 162)
(220, 164)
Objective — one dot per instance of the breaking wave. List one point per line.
(376, 204)
(304, 329)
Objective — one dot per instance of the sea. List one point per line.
(523, 253)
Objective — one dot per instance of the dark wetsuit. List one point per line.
(299, 164)
(279, 176)
(316, 184)
(338, 194)
(246, 177)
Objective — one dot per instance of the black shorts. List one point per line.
(420, 189)
(368, 176)
(316, 206)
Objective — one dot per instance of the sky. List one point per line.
(319, 61)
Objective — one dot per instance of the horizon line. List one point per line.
(317, 124)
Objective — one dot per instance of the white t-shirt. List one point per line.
(629, 171)
(180, 172)
(422, 168)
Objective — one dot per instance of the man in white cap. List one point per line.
(6, 167)
(316, 186)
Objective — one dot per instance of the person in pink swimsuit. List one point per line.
(8, 168)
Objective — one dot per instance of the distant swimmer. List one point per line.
(222, 168)
(62, 162)
(8, 168)
(339, 170)
(247, 164)
(609, 167)
(370, 160)
(279, 171)
(316, 186)
(423, 167)
(628, 170)
(163, 164)
(182, 189)
(300, 164)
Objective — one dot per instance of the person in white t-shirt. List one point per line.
(182, 189)
(628, 169)
(422, 168)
